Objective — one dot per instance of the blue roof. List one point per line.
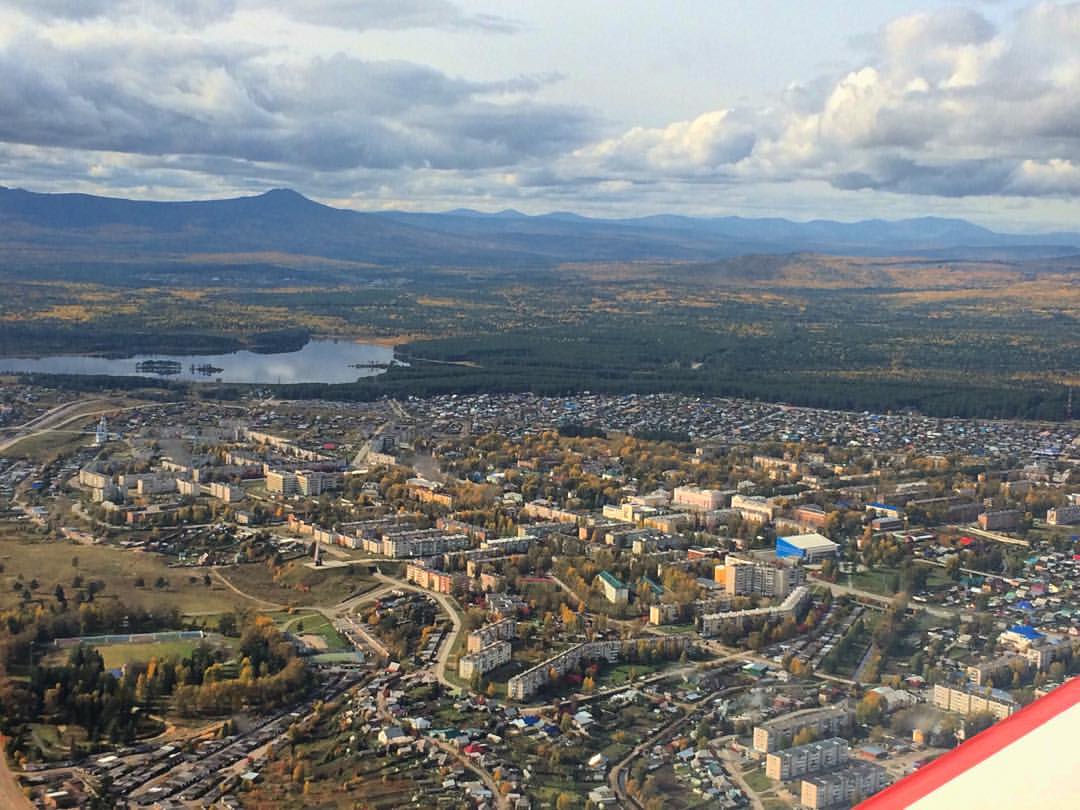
(1025, 630)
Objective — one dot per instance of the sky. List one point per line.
(615, 108)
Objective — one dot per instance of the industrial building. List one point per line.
(809, 548)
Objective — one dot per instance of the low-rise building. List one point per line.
(614, 590)
(807, 547)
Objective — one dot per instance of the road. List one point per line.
(489, 781)
(879, 599)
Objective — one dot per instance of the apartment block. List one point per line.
(753, 509)
(713, 623)
(614, 590)
(484, 660)
(226, 492)
(1063, 515)
(792, 763)
(94, 480)
(774, 735)
(700, 500)
(490, 633)
(282, 482)
(965, 702)
(844, 787)
(745, 576)
(532, 680)
(1001, 521)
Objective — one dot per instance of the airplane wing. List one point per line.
(1028, 760)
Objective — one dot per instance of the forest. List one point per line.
(992, 339)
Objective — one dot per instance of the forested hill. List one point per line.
(78, 226)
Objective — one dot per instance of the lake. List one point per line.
(320, 361)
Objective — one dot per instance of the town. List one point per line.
(514, 601)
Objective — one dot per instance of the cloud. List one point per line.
(133, 95)
(946, 105)
(350, 14)
(153, 94)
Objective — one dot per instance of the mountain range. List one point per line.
(285, 221)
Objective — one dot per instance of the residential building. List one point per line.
(967, 702)
(484, 660)
(791, 763)
(700, 500)
(774, 735)
(713, 623)
(614, 590)
(753, 509)
(1003, 520)
(845, 787)
(226, 492)
(1063, 515)
(746, 576)
(490, 633)
(282, 482)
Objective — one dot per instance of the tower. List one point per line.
(102, 434)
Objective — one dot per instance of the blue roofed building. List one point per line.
(806, 547)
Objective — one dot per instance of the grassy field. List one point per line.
(310, 623)
(117, 655)
(51, 563)
(299, 586)
(44, 447)
(757, 780)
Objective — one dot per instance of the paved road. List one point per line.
(839, 589)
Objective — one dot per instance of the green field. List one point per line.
(310, 623)
(117, 655)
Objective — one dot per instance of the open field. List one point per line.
(299, 586)
(117, 655)
(51, 563)
(310, 623)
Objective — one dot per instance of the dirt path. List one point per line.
(11, 795)
(234, 589)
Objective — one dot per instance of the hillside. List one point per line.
(74, 227)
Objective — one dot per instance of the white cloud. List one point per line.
(947, 105)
